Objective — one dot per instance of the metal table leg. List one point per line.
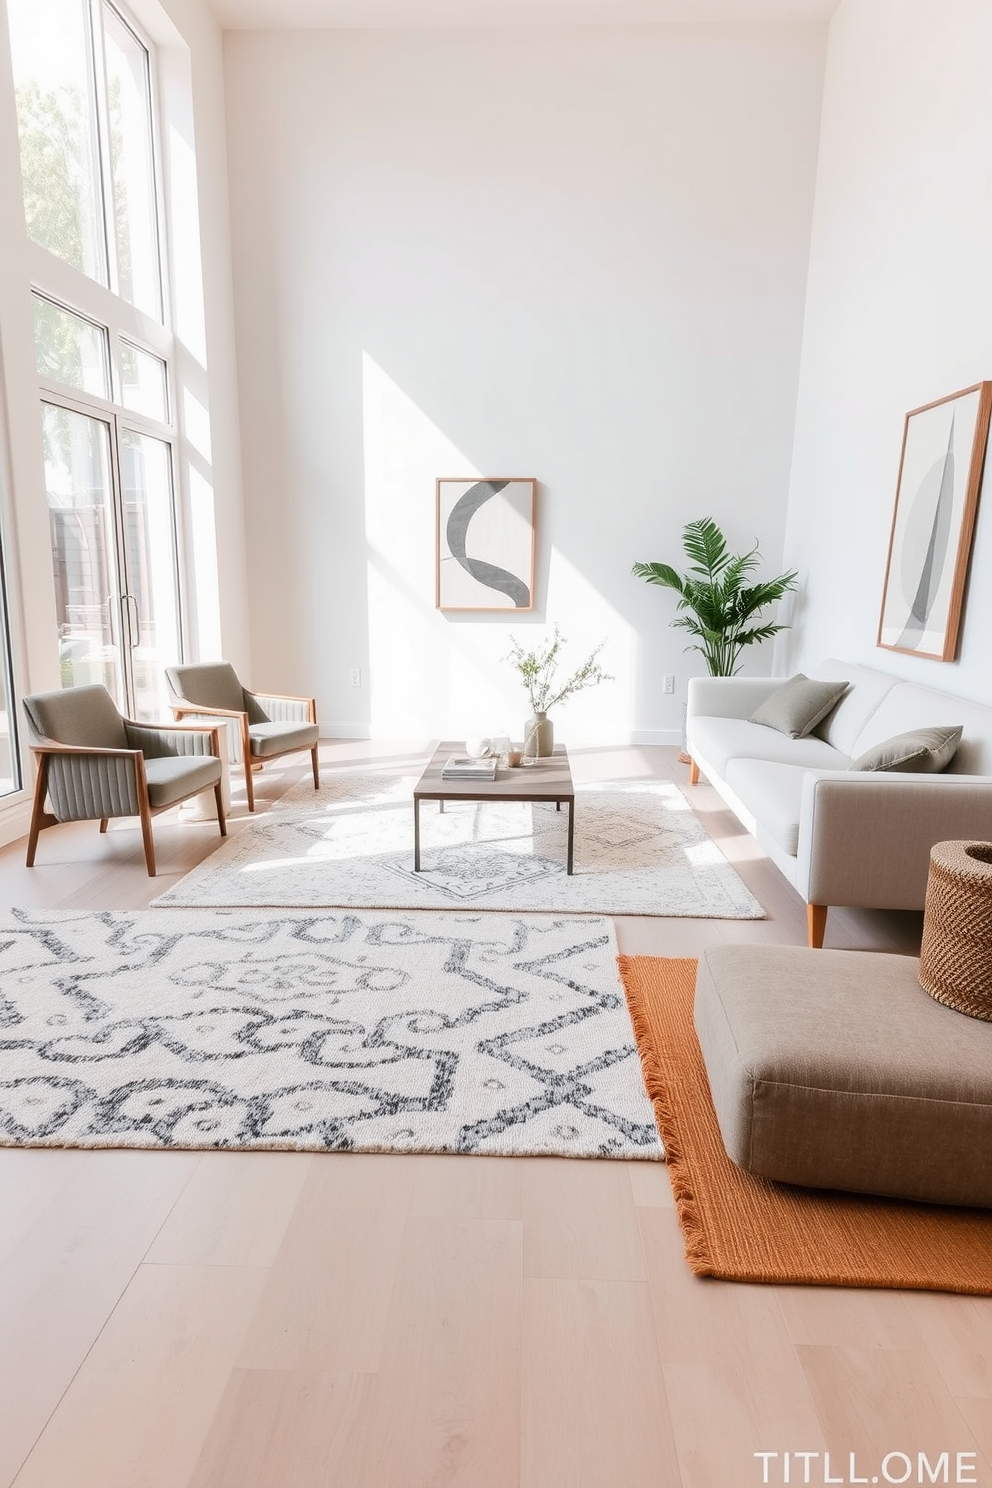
(571, 833)
(416, 834)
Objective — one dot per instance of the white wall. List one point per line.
(899, 311)
(576, 255)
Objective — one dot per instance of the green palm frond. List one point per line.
(658, 573)
(716, 602)
(706, 546)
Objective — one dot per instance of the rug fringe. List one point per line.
(739, 1227)
(697, 1252)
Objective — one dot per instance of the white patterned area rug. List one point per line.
(328, 1031)
(639, 850)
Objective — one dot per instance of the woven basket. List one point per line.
(956, 955)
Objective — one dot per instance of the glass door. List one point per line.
(85, 560)
(111, 511)
(151, 600)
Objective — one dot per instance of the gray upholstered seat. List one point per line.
(269, 723)
(834, 1069)
(94, 764)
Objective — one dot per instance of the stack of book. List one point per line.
(465, 767)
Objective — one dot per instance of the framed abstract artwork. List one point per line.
(940, 480)
(485, 544)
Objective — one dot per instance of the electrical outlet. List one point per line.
(669, 683)
(355, 676)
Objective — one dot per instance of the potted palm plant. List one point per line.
(718, 602)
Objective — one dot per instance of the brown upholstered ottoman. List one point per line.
(834, 1069)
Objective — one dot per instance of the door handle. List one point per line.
(132, 628)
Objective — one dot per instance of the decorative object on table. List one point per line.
(469, 767)
(716, 602)
(741, 1227)
(956, 954)
(639, 850)
(319, 1032)
(485, 544)
(539, 673)
(539, 737)
(501, 749)
(479, 746)
(937, 492)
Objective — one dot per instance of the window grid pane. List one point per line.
(70, 349)
(56, 116)
(134, 208)
(144, 383)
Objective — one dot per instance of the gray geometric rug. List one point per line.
(368, 1032)
(639, 850)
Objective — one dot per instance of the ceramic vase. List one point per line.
(539, 737)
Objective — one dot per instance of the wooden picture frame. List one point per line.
(933, 524)
(485, 543)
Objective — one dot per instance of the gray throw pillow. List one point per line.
(923, 751)
(798, 705)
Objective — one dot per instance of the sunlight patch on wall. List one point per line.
(433, 675)
(196, 424)
(405, 452)
(602, 713)
(187, 273)
(205, 607)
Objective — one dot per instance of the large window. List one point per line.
(82, 79)
(85, 107)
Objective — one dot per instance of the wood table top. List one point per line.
(547, 779)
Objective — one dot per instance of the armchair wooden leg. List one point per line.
(816, 925)
(246, 756)
(146, 837)
(219, 797)
(693, 772)
(316, 766)
(39, 816)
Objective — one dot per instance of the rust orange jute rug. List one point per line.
(742, 1228)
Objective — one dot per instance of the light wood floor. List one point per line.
(268, 1320)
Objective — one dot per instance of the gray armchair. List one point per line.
(269, 723)
(94, 764)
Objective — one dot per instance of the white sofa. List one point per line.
(842, 836)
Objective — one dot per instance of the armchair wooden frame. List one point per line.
(47, 749)
(185, 710)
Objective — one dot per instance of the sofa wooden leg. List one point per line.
(816, 925)
(693, 772)
(316, 766)
(219, 798)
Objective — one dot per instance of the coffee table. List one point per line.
(547, 779)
